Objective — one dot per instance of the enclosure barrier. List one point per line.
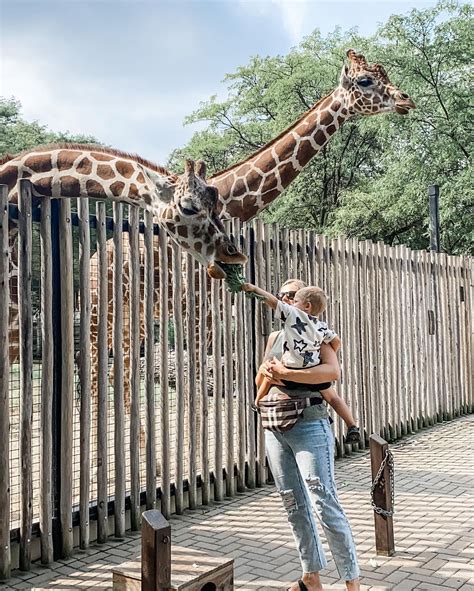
(136, 390)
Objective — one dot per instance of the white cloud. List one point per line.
(293, 14)
(116, 114)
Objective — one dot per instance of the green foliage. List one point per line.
(235, 279)
(16, 134)
(371, 180)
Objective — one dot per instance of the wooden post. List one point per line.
(177, 285)
(119, 416)
(47, 380)
(5, 552)
(156, 552)
(433, 195)
(382, 496)
(67, 376)
(150, 363)
(134, 312)
(26, 371)
(85, 371)
(102, 385)
(191, 384)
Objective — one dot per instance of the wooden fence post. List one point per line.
(5, 552)
(156, 552)
(382, 496)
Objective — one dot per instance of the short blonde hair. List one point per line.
(297, 282)
(315, 296)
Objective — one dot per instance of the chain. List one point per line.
(388, 459)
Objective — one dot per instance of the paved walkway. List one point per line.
(434, 527)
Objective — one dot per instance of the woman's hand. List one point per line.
(327, 371)
(274, 370)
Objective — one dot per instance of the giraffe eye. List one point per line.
(188, 211)
(365, 82)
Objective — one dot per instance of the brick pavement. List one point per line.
(434, 527)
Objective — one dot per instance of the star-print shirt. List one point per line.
(303, 335)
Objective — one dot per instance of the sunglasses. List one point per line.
(289, 294)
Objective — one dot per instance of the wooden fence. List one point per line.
(405, 319)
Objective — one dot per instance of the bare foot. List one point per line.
(353, 585)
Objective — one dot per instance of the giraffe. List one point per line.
(249, 186)
(185, 206)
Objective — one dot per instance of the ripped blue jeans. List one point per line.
(302, 464)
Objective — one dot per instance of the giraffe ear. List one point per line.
(163, 187)
(189, 172)
(344, 80)
(200, 169)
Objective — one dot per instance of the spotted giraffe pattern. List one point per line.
(185, 206)
(248, 187)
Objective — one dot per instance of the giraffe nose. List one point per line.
(228, 253)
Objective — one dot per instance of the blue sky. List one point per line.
(129, 71)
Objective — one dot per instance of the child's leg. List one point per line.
(263, 388)
(259, 379)
(339, 406)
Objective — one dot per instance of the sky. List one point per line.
(128, 72)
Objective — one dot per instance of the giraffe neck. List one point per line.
(61, 172)
(248, 187)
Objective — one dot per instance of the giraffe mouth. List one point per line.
(215, 271)
(403, 107)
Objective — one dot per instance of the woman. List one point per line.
(302, 464)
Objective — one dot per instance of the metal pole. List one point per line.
(433, 195)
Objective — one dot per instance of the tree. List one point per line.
(431, 52)
(16, 134)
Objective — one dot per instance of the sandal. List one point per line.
(353, 435)
(301, 585)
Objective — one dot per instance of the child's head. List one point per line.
(311, 300)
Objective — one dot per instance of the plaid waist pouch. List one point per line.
(279, 412)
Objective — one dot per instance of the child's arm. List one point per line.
(270, 299)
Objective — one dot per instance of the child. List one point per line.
(303, 335)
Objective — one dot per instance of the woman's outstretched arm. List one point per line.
(327, 371)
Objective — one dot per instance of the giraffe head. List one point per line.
(367, 90)
(193, 222)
